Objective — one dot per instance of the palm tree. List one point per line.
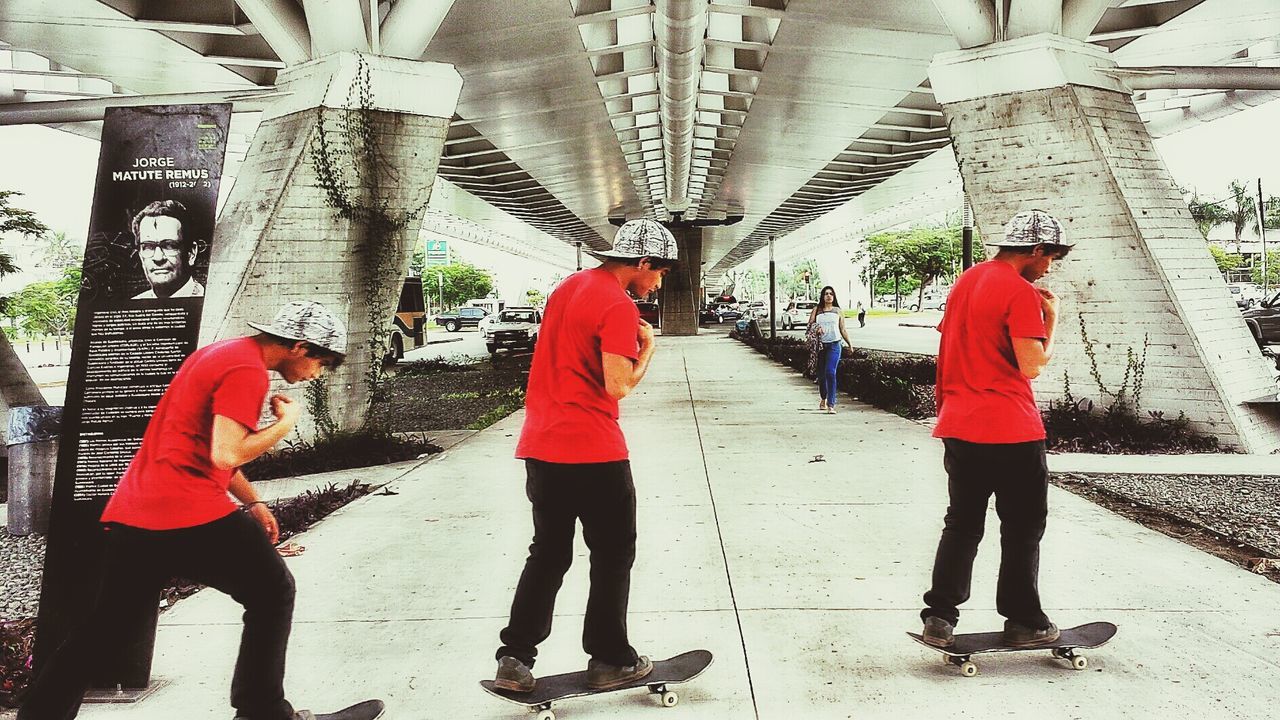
(60, 252)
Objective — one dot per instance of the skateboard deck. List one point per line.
(367, 710)
(554, 688)
(1091, 635)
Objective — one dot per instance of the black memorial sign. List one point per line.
(137, 319)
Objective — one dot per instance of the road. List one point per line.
(903, 332)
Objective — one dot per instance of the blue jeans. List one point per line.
(828, 361)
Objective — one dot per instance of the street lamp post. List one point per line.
(773, 302)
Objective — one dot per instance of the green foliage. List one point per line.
(352, 169)
(17, 220)
(48, 307)
(791, 282)
(1206, 215)
(1226, 261)
(341, 450)
(753, 284)
(318, 405)
(512, 400)
(60, 252)
(1273, 270)
(909, 260)
(462, 282)
(535, 297)
(1239, 209)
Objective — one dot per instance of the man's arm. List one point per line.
(234, 444)
(621, 373)
(248, 497)
(1033, 354)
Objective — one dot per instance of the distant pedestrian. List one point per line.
(172, 513)
(593, 350)
(828, 318)
(862, 315)
(997, 335)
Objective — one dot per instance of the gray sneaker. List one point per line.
(938, 632)
(603, 676)
(513, 675)
(1020, 636)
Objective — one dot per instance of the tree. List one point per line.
(1206, 215)
(1273, 271)
(800, 279)
(753, 284)
(13, 219)
(60, 252)
(1225, 260)
(929, 253)
(535, 297)
(462, 282)
(48, 307)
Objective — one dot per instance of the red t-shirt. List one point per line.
(982, 396)
(172, 482)
(569, 417)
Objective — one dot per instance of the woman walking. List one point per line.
(830, 320)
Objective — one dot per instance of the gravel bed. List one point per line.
(1244, 508)
(21, 565)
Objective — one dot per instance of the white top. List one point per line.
(829, 321)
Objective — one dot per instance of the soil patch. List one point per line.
(424, 396)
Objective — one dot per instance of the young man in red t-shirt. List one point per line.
(593, 349)
(171, 514)
(997, 335)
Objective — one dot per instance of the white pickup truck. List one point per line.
(514, 328)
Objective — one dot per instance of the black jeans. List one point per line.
(603, 497)
(1019, 478)
(231, 554)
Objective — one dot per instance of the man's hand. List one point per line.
(261, 513)
(285, 409)
(644, 334)
(1048, 302)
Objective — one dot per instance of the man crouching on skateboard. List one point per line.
(593, 349)
(997, 335)
(171, 514)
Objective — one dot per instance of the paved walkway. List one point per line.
(800, 576)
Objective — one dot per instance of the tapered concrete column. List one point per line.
(278, 238)
(1038, 123)
(681, 296)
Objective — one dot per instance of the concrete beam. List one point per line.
(68, 111)
(282, 24)
(1080, 17)
(336, 26)
(410, 27)
(1032, 17)
(972, 22)
(1185, 77)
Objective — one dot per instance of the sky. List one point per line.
(55, 170)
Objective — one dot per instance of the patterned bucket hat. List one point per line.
(1033, 227)
(310, 321)
(640, 238)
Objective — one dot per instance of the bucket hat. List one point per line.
(1033, 227)
(310, 321)
(637, 239)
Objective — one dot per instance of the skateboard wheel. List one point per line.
(1079, 662)
(968, 669)
(669, 699)
(546, 715)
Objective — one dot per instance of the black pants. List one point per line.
(231, 554)
(603, 497)
(1019, 478)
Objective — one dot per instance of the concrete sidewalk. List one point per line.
(800, 576)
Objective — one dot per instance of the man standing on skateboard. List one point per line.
(997, 335)
(593, 349)
(171, 514)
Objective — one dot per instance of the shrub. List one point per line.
(339, 451)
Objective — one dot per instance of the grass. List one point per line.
(512, 400)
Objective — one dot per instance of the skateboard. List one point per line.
(966, 645)
(367, 710)
(554, 688)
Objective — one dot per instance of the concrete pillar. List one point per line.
(1039, 123)
(681, 297)
(33, 456)
(279, 239)
(17, 389)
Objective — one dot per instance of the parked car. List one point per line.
(514, 328)
(1264, 320)
(935, 301)
(649, 312)
(460, 318)
(723, 312)
(796, 314)
(757, 309)
(1246, 295)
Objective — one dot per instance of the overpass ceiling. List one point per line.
(802, 105)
